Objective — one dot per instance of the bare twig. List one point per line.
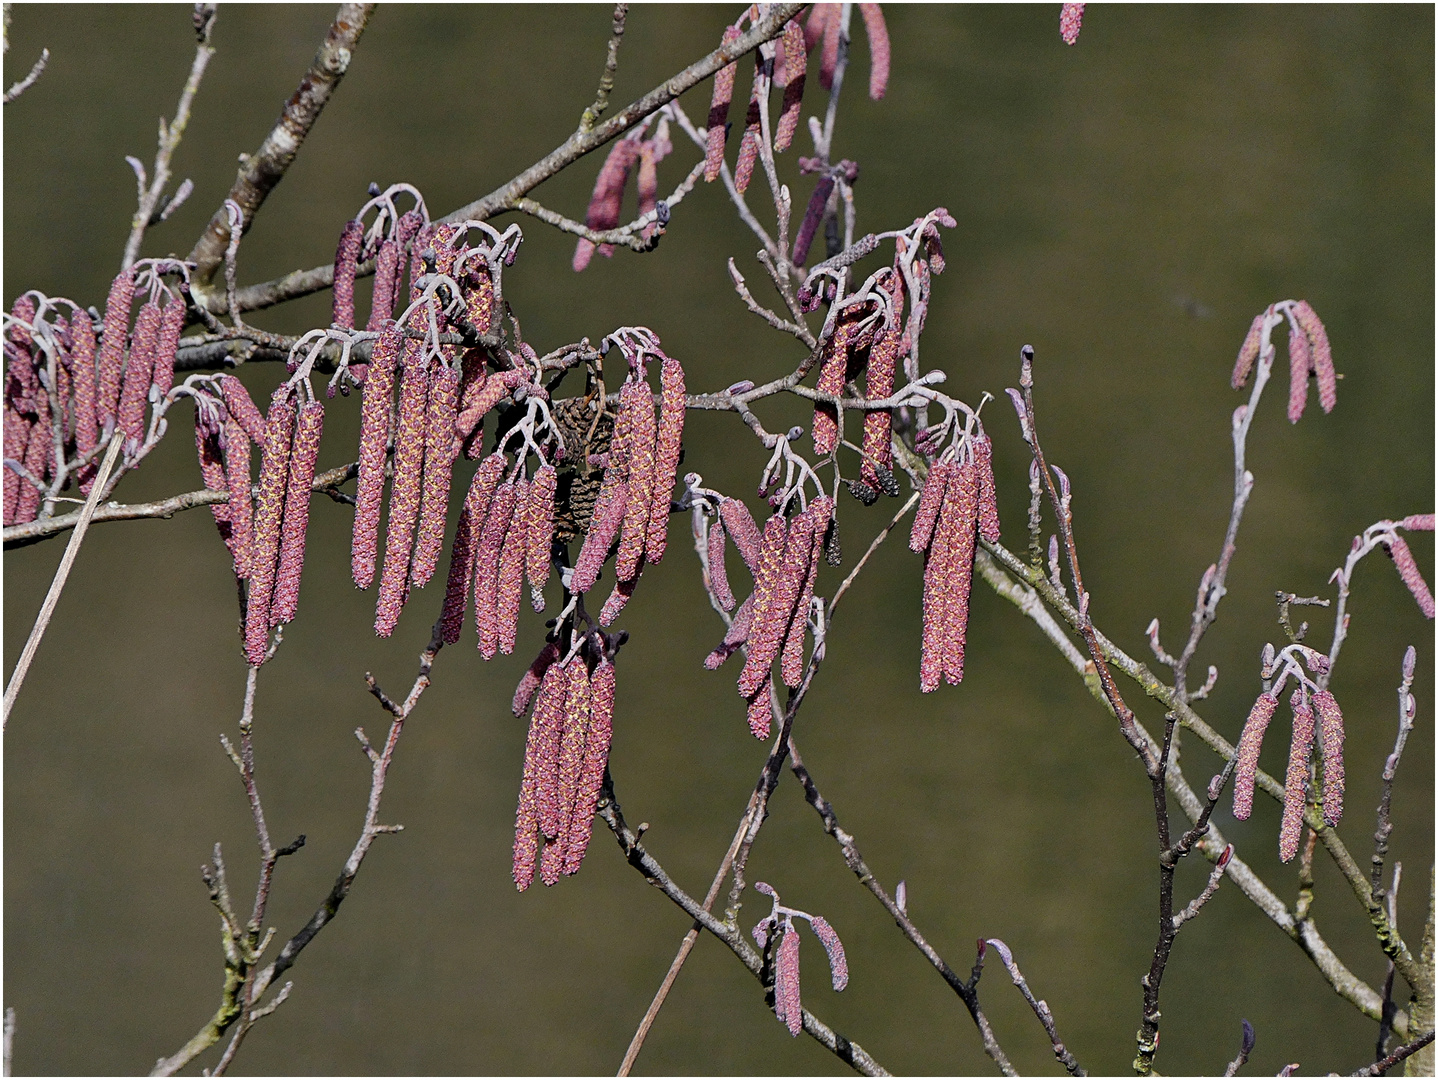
(1040, 1008)
(152, 209)
(611, 65)
(1378, 1068)
(28, 81)
(265, 168)
(1244, 1049)
(62, 573)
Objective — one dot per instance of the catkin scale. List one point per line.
(269, 516)
(760, 712)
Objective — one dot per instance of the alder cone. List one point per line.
(577, 483)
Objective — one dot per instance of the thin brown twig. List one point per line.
(1378, 1068)
(611, 65)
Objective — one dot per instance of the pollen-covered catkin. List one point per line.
(240, 507)
(509, 584)
(172, 322)
(405, 491)
(133, 394)
(486, 568)
(112, 347)
(668, 446)
(1330, 720)
(439, 454)
(831, 381)
(1250, 743)
(303, 457)
(717, 127)
(540, 531)
(642, 469)
(1296, 780)
(596, 759)
(766, 589)
(346, 263)
(373, 448)
(269, 517)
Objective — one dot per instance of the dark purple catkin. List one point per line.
(172, 322)
(269, 516)
(718, 575)
(812, 216)
(717, 127)
(1291, 826)
(596, 759)
(386, 266)
(439, 454)
(404, 495)
(740, 526)
(240, 508)
(539, 527)
(530, 680)
(487, 568)
(347, 254)
(1330, 721)
(39, 453)
(794, 71)
(787, 1006)
(82, 374)
(931, 500)
(134, 392)
(17, 438)
(242, 408)
(838, 963)
(1250, 743)
(373, 444)
(878, 49)
(111, 360)
(297, 513)
(879, 383)
(1408, 570)
(509, 582)
(749, 144)
(642, 469)
(667, 449)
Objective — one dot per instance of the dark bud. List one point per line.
(374, 189)
(661, 210)
(887, 484)
(1249, 1038)
(428, 256)
(863, 492)
(833, 555)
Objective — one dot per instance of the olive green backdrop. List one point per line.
(1126, 205)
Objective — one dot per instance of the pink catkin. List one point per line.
(791, 655)
(719, 111)
(668, 446)
(1418, 522)
(571, 752)
(937, 567)
(17, 438)
(269, 517)
(172, 322)
(878, 49)
(241, 507)
(1296, 780)
(771, 620)
(130, 417)
(988, 495)
(1250, 743)
(346, 263)
(596, 760)
(829, 50)
(530, 680)
(787, 1006)
(540, 530)
(1248, 352)
(509, 583)
(961, 573)
(386, 266)
(604, 526)
(1402, 557)
(479, 299)
(619, 597)
(740, 526)
(39, 453)
(466, 542)
(879, 383)
(1330, 722)
(642, 468)
(373, 444)
(795, 63)
(819, 16)
(487, 568)
(1070, 22)
(838, 963)
(749, 144)
(112, 347)
(831, 381)
(734, 637)
(931, 500)
(404, 495)
(212, 469)
(242, 408)
(439, 454)
(297, 513)
(647, 181)
(608, 198)
(549, 714)
(761, 711)
(718, 574)
(766, 583)
(538, 763)
(82, 374)
(1300, 364)
(1322, 354)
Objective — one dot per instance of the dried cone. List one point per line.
(269, 516)
(297, 512)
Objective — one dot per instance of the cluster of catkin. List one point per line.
(958, 504)
(565, 756)
(1309, 354)
(442, 400)
(785, 956)
(1306, 702)
(631, 514)
(67, 387)
(787, 68)
(784, 562)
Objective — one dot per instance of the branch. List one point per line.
(303, 282)
(611, 65)
(1378, 1068)
(264, 169)
(24, 84)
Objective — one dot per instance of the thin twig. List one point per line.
(62, 573)
(24, 84)
(1040, 1008)
(611, 65)
(1378, 1068)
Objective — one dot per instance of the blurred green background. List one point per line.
(1126, 205)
